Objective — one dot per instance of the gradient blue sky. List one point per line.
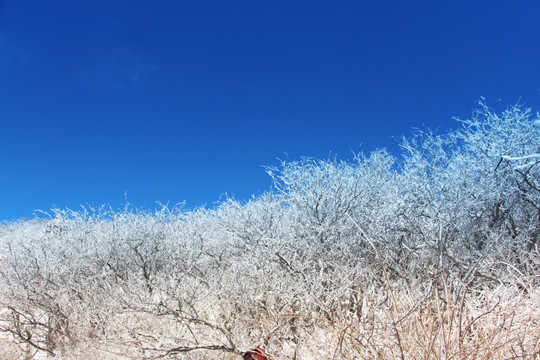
(178, 100)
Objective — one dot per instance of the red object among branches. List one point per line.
(256, 354)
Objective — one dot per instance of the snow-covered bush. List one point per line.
(473, 194)
(335, 242)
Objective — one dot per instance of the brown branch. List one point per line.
(183, 349)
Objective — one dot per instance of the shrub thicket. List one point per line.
(432, 255)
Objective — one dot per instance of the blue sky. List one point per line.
(185, 101)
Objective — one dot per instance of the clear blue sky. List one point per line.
(178, 100)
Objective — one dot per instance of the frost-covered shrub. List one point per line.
(474, 193)
(333, 240)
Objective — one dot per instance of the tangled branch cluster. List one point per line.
(374, 258)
